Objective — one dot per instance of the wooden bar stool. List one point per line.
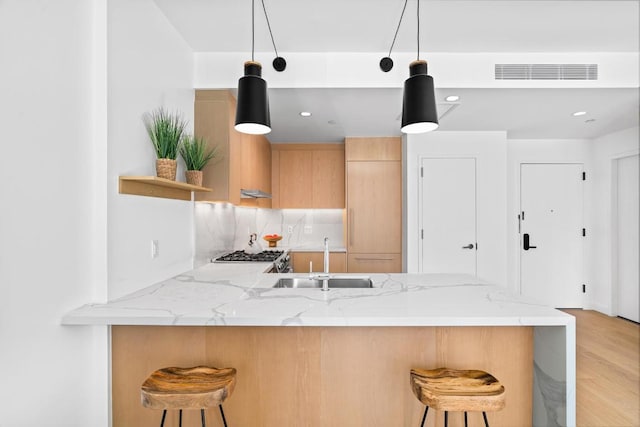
(188, 388)
(455, 390)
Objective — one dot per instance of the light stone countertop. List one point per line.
(242, 295)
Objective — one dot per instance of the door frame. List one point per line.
(420, 192)
(518, 225)
(615, 285)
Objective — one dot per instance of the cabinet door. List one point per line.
(256, 168)
(370, 149)
(328, 179)
(295, 179)
(337, 262)
(375, 263)
(374, 214)
(309, 176)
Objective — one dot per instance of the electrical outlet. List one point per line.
(290, 229)
(155, 249)
(308, 229)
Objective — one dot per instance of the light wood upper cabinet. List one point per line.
(243, 161)
(364, 149)
(374, 204)
(308, 176)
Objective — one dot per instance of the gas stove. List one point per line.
(242, 256)
(279, 259)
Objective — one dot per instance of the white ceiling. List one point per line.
(446, 26)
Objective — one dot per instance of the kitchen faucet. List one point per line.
(326, 256)
(325, 275)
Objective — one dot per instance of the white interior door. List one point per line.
(448, 216)
(628, 255)
(551, 233)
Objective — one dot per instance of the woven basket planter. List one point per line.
(194, 177)
(166, 168)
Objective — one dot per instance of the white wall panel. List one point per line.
(149, 65)
(489, 150)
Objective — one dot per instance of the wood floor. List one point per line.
(608, 370)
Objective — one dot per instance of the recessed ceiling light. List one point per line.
(579, 113)
(305, 113)
(452, 98)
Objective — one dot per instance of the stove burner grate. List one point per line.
(242, 256)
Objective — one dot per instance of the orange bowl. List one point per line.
(273, 240)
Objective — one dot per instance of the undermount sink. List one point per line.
(334, 282)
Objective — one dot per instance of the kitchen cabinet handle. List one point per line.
(351, 234)
(374, 259)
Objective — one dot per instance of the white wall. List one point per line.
(454, 69)
(543, 151)
(52, 213)
(605, 150)
(490, 151)
(149, 65)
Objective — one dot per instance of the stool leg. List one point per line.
(224, 421)
(202, 416)
(446, 418)
(180, 419)
(465, 418)
(484, 415)
(424, 417)
(164, 414)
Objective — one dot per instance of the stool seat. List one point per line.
(187, 388)
(457, 390)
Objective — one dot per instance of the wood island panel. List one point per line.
(322, 376)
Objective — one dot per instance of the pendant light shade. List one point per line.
(419, 112)
(252, 113)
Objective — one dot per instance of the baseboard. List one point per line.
(604, 309)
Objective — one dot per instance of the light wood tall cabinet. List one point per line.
(243, 161)
(309, 176)
(374, 204)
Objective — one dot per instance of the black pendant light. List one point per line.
(252, 112)
(419, 112)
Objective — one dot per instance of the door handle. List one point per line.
(469, 246)
(525, 244)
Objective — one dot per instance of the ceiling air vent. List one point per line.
(546, 71)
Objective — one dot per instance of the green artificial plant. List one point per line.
(195, 154)
(166, 131)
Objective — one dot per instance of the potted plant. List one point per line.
(166, 131)
(196, 156)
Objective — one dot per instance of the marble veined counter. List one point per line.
(242, 295)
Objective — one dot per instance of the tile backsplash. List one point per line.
(222, 227)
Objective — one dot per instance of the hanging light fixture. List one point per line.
(252, 112)
(419, 113)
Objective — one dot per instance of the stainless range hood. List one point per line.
(253, 194)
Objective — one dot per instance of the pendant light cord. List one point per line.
(418, 37)
(398, 28)
(253, 28)
(269, 26)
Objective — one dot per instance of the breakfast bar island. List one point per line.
(306, 357)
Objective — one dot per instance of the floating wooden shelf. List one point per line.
(152, 186)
